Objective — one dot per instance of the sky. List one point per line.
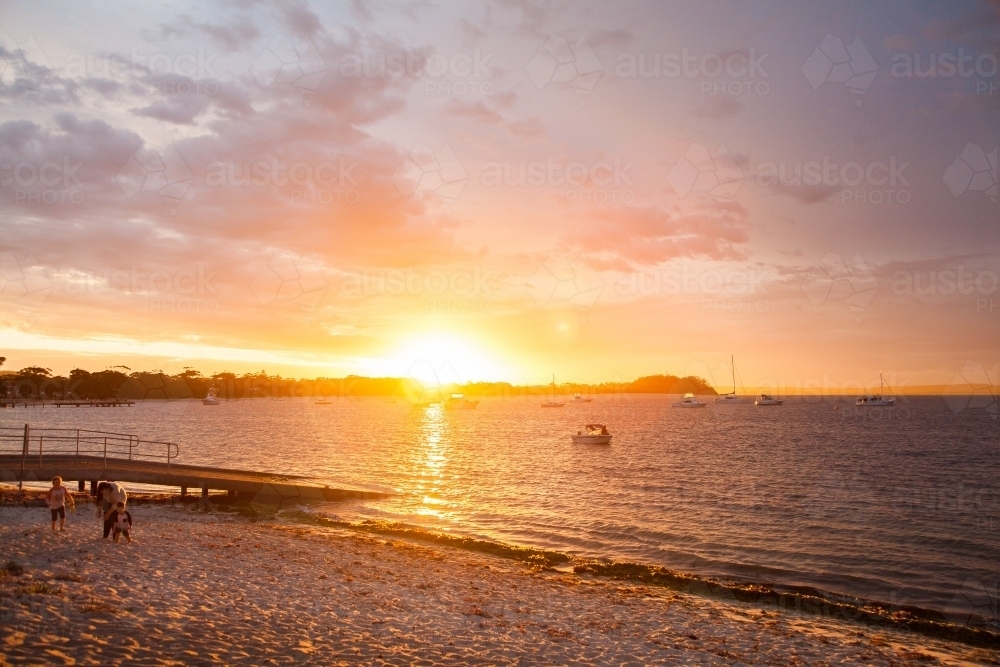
(504, 190)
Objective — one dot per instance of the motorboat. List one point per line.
(596, 434)
(460, 402)
(879, 400)
(689, 401)
(767, 399)
(577, 398)
(553, 403)
(731, 398)
(212, 397)
(323, 401)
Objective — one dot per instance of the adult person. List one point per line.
(56, 499)
(109, 494)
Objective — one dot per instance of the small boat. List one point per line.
(597, 434)
(460, 402)
(212, 397)
(323, 401)
(689, 401)
(577, 398)
(879, 400)
(553, 403)
(732, 398)
(767, 399)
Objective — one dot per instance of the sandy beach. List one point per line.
(201, 587)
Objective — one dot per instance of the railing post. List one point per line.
(24, 455)
(40, 439)
(105, 452)
(78, 443)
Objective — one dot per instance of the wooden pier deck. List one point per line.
(78, 403)
(88, 456)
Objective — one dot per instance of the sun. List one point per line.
(435, 359)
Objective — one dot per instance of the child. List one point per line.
(56, 500)
(121, 520)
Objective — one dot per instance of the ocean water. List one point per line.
(894, 504)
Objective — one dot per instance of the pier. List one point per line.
(81, 455)
(8, 402)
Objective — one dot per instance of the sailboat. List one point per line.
(732, 397)
(878, 400)
(553, 403)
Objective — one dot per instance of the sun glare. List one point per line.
(436, 359)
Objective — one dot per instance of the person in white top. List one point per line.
(109, 494)
(56, 499)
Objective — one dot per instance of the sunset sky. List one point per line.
(498, 190)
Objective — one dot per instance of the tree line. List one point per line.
(123, 383)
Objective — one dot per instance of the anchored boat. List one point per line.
(879, 400)
(212, 397)
(689, 401)
(732, 397)
(767, 399)
(553, 403)
(597, 434)
(460, 402)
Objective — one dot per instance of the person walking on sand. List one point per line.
(109, 494)
(121, 520)
(56, 499)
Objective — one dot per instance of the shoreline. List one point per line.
(804, 599)
(175, 539)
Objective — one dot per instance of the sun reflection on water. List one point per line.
(430, 459)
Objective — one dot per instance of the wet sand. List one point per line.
(216, 587)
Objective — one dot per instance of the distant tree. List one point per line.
(2, 359)
(36, 371)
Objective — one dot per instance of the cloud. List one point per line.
(718, 108)
(649, 235)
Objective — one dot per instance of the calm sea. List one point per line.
(900, 505)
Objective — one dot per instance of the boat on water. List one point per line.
(767, 399)
(689, 401)
(732, 398)
(460, 402)
(879, 400)
(597, 434)
(577, 398)
(323, 401)
(212, 397)
(553, 403)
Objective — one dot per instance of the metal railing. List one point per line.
(31, 443)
